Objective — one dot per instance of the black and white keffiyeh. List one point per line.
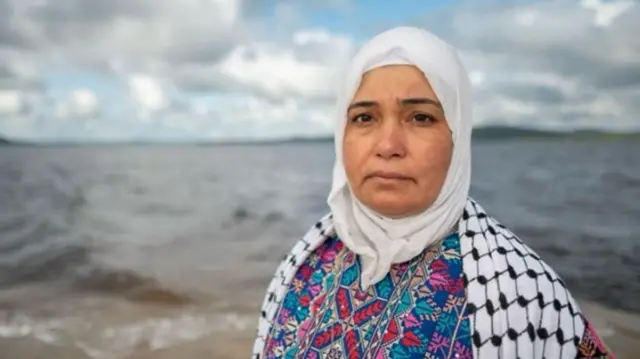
(519, 307)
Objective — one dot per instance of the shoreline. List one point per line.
(618, 329)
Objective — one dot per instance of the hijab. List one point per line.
(378, 240)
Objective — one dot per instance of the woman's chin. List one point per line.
(395, 207)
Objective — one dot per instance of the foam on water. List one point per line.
(122, 340)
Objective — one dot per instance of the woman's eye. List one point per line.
(362, 118)
(422, 118)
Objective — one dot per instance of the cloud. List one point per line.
(147, 93)
(552, 64)
(308, 68)
(81, 103)
(232, 68)
(11, 102)
(160, 51)
(606, 13)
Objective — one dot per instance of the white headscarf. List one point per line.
(381, 241)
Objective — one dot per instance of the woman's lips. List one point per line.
(388, 176)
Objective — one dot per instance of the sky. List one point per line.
(201, 70)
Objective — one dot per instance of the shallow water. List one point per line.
(106, 250)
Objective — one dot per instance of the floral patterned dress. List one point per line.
(416, 311)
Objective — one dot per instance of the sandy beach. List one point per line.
(620, 331)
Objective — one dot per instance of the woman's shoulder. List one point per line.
(315, 236)
(492, 252)
(507, 279)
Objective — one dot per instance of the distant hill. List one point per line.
(485, 133)
(507, 133)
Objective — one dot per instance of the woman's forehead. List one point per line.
(394, 81)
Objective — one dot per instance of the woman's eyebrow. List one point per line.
(365, 104)
(403, 102)
(421, 101)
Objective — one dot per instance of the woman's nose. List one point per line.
(391, 141)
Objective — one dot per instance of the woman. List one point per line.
(406, 265)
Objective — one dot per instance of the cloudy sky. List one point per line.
(218, 69)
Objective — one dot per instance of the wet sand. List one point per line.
(620, 331)
(218, 346)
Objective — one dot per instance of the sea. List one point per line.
(109, 251)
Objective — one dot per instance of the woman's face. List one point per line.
(397, 143)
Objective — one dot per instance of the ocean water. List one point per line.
(107, 249)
